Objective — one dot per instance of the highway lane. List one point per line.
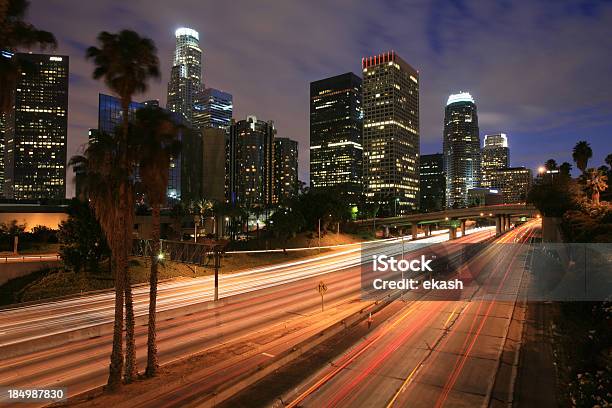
(82, 365)
(435, 352)
(22, 324)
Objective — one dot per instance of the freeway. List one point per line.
(262, 299)
(25, 324)
(436, 352)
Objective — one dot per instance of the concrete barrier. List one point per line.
(12, 270)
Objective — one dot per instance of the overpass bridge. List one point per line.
(455, 218)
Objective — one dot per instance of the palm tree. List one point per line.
(126, 62)
(156, 141)
(551, 164)
(596, 183)
(581, 154)
(15, 34)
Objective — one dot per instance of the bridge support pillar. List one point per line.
(507, 217)
(415, 230)
(428, 230)
(463, 228)
(386, 231)
(452, 232)
(498, 225)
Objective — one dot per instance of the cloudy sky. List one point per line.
(540, 71)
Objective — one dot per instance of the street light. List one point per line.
(541, 169)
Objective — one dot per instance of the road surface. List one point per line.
(268, 297)
(435, 352)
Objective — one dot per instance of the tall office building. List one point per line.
(213, 163)
(391, 132)
(285, 169)
(336, 124)
(110, 113)
(461, 147)
(185, 174)
(186, 74)
(212, 109)
(432, 181)
(514, 183)
(495, 155)
(36, 130)
(251, 162)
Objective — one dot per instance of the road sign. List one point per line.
(322, 288)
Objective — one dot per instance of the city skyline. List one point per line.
(534, 108)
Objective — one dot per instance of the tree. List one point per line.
(565, 169)
(126, 62)
(554, 199)
(15, 34)
(608, 160)
(82, 242)
(285, 223)
(596, 182)
(551, 164)
(155, 136)
(581, 154)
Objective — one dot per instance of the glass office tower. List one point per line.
(461, 147)
(391, 133)
(36, 129)
(212, 109)
(186, 74)
(495, 155)
(432, 182)
(336, 124)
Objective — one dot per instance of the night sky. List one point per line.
(540, 71)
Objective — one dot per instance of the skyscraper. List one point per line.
(336, 124)
(513, 182)
(185, 173)
(251, 162)
(432, 181)
(391, 132)
(461, 147)
(495, 155)
(186, 74)
(36, 130)
(285, 169)
(214, 142)
(212, 109)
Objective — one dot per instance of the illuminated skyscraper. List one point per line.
(186, 74)
(36, 130)
(336, 124)
(495, 155)
(513, 182)
(251, 162)
(391, 132)
(461, 147)
(285, 169)
(212, 109)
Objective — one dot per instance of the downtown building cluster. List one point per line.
(365, 141)
(241, 162)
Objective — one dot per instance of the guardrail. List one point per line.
(24, 258)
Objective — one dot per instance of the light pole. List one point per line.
(319, 235)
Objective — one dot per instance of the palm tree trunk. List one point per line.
(152, 362)
(127, 209)
(116, 358)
